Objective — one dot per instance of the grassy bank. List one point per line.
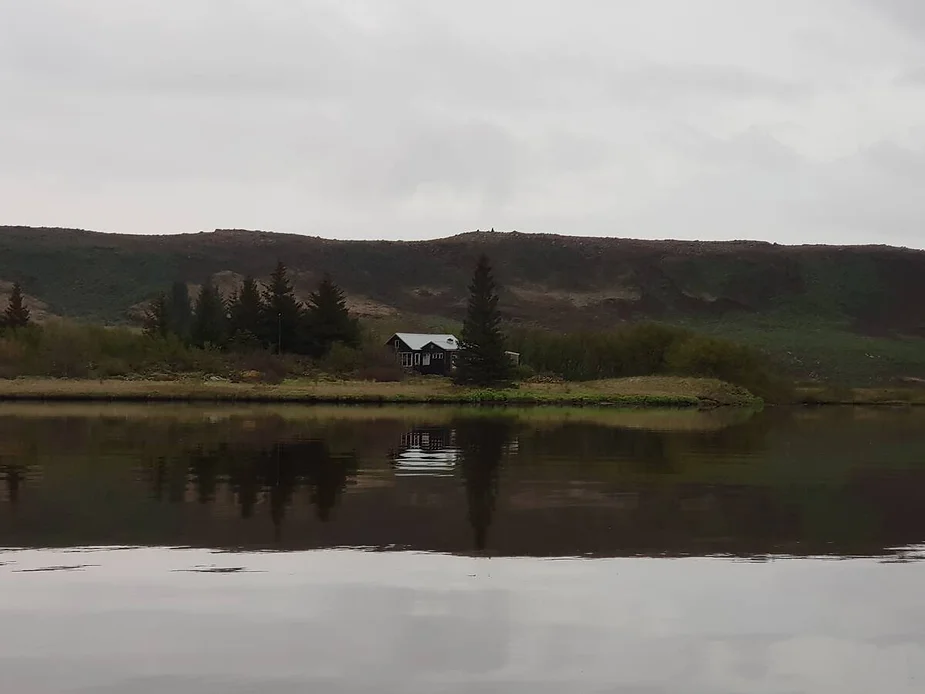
(626, 392)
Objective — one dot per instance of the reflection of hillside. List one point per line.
(542, 518)
(840, 482)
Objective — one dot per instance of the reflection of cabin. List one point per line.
(430, 451)
(426, 354)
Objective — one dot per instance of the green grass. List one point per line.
(629, 393)
(807, 348)
(91, 283)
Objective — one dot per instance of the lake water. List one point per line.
(285, 549)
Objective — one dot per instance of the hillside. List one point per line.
(856, 312)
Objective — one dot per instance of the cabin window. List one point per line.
(417, 358)
(438, 355)
(406, 358)
(426, 360)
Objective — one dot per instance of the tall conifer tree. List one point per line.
(210, 323)
(179, 310)
(282, 312)
(482, 360)
(157, 317)
(247, 311)
(16, 315)
(328, 320)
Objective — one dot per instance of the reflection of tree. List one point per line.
(290, 465)
(13, 476)
(204, 471)
(327, 477)
(271, 471)
(244, 478)
(167, 476)
(280, 477)
(481, 444)
(158, 474)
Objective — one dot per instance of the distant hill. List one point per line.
(870, 296)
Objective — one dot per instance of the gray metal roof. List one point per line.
(418, 341)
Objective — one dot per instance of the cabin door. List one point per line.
(425, 360)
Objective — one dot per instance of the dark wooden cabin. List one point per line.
(425, 354)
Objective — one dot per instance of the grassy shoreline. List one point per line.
(645, 392)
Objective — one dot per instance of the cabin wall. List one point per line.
(431, 361)
(438, 362)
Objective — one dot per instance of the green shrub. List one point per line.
(64, 349)
(369, 362)
(648, 349)
(699, 355)
(341, 360)
(636, 350)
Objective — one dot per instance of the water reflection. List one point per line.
(541, 483)
(426, 451)
(482, 444)
(17, 466)
(255, 474)
(12, 474)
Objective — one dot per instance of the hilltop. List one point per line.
(856, 309)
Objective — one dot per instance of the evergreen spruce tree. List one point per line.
(482, 360)
(282, 313)
(247, 312)
(210, 323)
(180, 311)
(157, 317)
(17, 315)
(328, 320)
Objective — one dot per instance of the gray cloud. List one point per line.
(908, 14)
(780, 120)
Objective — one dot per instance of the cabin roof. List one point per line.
(418, 341)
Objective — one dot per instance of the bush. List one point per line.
(648, 349)
(370, 362)
(379, 364)
(263, 366)
(71, 350)
(699, 355)
(12, 354)
(524, 372)
(637, 350)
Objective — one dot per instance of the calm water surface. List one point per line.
(186, 549)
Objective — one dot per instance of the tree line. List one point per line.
(256, 316)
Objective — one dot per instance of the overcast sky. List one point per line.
(782, 120)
